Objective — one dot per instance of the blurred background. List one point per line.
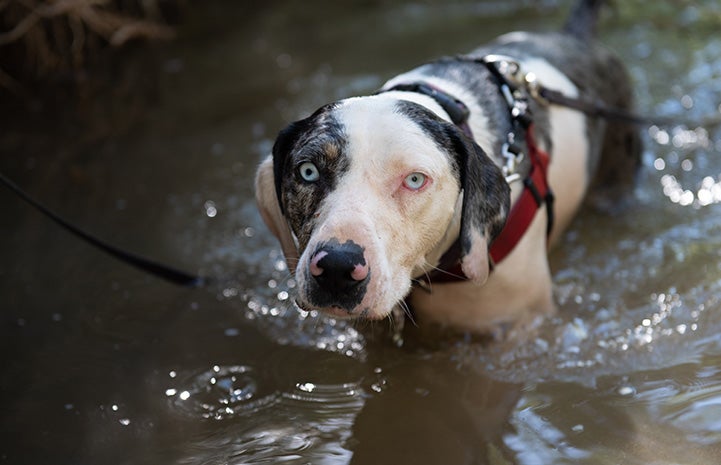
(143, 121)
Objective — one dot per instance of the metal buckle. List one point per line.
(513, 74)
(505, 65)
(512, 160)
(534, 88)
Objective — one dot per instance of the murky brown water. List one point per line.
(102, 364)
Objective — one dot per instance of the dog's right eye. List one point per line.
(309, 172)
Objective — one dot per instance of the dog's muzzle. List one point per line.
(338, 275)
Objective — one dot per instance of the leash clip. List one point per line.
(534, 88)
(515, 78)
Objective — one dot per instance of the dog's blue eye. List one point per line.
(309, 172)
(415, 181)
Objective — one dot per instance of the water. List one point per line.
(102, 364)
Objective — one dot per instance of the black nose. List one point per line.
(340, 272)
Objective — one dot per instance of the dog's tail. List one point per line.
(582, 21)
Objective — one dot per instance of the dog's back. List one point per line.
(600, 76)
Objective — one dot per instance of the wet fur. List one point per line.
(363, 147)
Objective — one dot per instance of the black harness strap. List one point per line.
(456, 109)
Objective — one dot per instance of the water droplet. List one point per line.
(306, 387)
(230, 292)
(124, 421)
(662, 137)
(626, 391)
(687, 102)
(280, 265)
(210, 209)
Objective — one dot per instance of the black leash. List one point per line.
(600, 110)
(511, 71)
(165, 272)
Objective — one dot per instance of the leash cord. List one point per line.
(511, 72)
(596, 109)
(165, 272)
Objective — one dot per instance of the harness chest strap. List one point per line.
(536, 191)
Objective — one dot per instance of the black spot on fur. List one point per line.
(321, 140)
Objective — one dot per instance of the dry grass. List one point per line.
(39, 38)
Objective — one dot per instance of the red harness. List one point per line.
(536, 191)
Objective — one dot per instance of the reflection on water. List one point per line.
(104, 365)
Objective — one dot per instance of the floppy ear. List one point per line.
(486, 200)
(486, 195)
(270, 211)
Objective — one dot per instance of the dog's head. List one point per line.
(363, 195)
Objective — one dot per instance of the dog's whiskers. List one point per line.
(407, 311)
(287, 278)
(427, 283)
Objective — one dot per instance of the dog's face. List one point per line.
(363, 193)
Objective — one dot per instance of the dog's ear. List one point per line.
(267, 197)
(486, 200)
(486, 195)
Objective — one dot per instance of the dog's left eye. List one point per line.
(309, 172)
(415, 181)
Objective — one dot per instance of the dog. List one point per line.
(441, 193)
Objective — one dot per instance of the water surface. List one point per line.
(103, 364)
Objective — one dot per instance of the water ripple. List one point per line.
(697, 412)
(338, 398)
(222, 392)
(308, 420)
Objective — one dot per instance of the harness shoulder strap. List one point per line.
(536, 192)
